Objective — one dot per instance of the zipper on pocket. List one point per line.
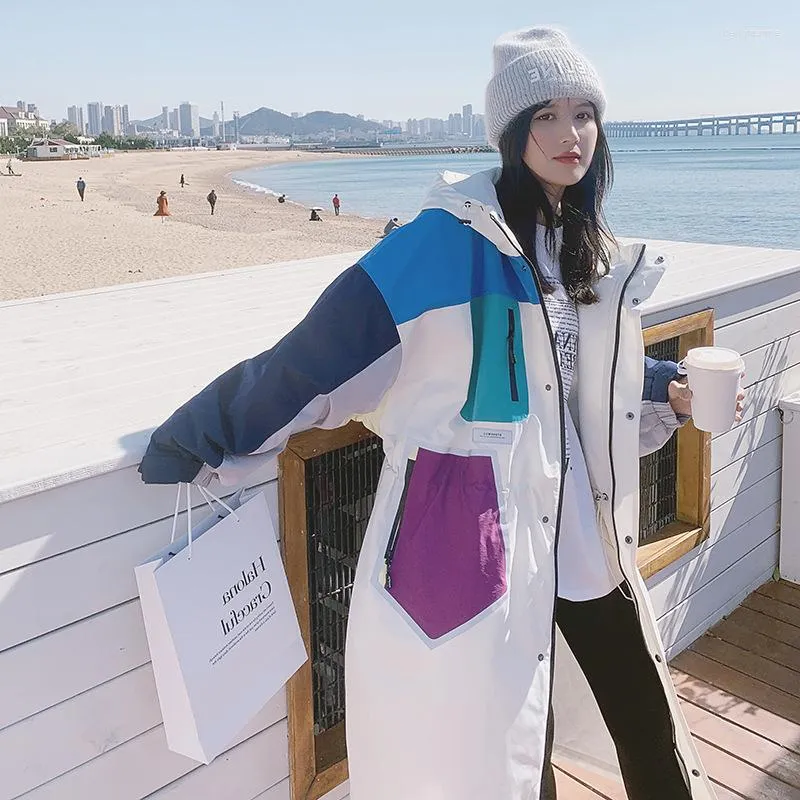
(512, 358)
(398, 519)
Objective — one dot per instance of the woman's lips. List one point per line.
(568, 159)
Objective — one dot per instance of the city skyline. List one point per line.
(185, 120)
(414, 63)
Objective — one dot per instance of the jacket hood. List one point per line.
(473, 199)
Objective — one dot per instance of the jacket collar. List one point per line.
(473, 199)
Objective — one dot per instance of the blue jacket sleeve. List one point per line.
(336, 363)
(657, 377)
(658, 420)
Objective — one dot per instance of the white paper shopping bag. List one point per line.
(221, 627)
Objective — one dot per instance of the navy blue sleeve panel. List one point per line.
(348, 329)
(657, 377)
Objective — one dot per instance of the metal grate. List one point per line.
(340, 491)
(658, 472)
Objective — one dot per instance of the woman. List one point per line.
(163, 205)
(478, 340)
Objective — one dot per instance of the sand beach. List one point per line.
(52, 242)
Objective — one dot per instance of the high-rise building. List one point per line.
(112, 120)
(125, 118)
(478, 127)
(466, 120)
(164, 118)
(174, 121)
(215, 125)
(95, 118)
(75, 118)
(236, 127)
(189, 120)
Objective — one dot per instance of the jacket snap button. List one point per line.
(628, 540)
(545, 519)
(635, 301)
(548, 387)
(541, 656)
(660, 260)
(696, 773)
(630, 415)
(658, 658)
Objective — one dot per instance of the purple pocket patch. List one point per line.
(448, 563)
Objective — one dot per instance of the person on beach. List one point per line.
(390, 226)
(336, 203)
(9, 168)
(282, 198)
(183, 181)
(212, 200)
(315, 217)
(81, 186)
(163, 205)
(494, 343)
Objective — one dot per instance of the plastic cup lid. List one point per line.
(720, 358)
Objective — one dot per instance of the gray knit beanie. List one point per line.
(534, 66)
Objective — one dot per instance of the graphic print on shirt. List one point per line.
(564, 323)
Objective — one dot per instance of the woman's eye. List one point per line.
(585, 115)
(543, 118)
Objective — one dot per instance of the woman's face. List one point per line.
(561, 143)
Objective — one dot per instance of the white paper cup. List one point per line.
(714, 378)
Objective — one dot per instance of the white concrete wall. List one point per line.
(763, 323)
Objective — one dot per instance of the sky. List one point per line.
(415, 58)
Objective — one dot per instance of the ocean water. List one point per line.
(725, 190)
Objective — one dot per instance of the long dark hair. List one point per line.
(584, 249)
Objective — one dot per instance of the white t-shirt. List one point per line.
(583, 573)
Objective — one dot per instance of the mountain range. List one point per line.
(265, 121)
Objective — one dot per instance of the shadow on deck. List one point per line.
(740, 690)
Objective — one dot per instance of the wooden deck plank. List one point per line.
(768, 626)
(570, 789)
(747, 715)
(757, 643)
(744, 779)
(773, 608)
(784, 591)
(787, 680)
(744, 686)
(723, 793)
(770, 758)
(606, 787)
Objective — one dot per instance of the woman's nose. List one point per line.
(570, 135)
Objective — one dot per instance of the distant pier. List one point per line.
(731, 125)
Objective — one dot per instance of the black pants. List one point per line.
(605, 637)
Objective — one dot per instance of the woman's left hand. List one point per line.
(740, 398)
(680, 398)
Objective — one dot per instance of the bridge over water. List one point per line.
(782, 122)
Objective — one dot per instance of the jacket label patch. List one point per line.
(492, 436)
